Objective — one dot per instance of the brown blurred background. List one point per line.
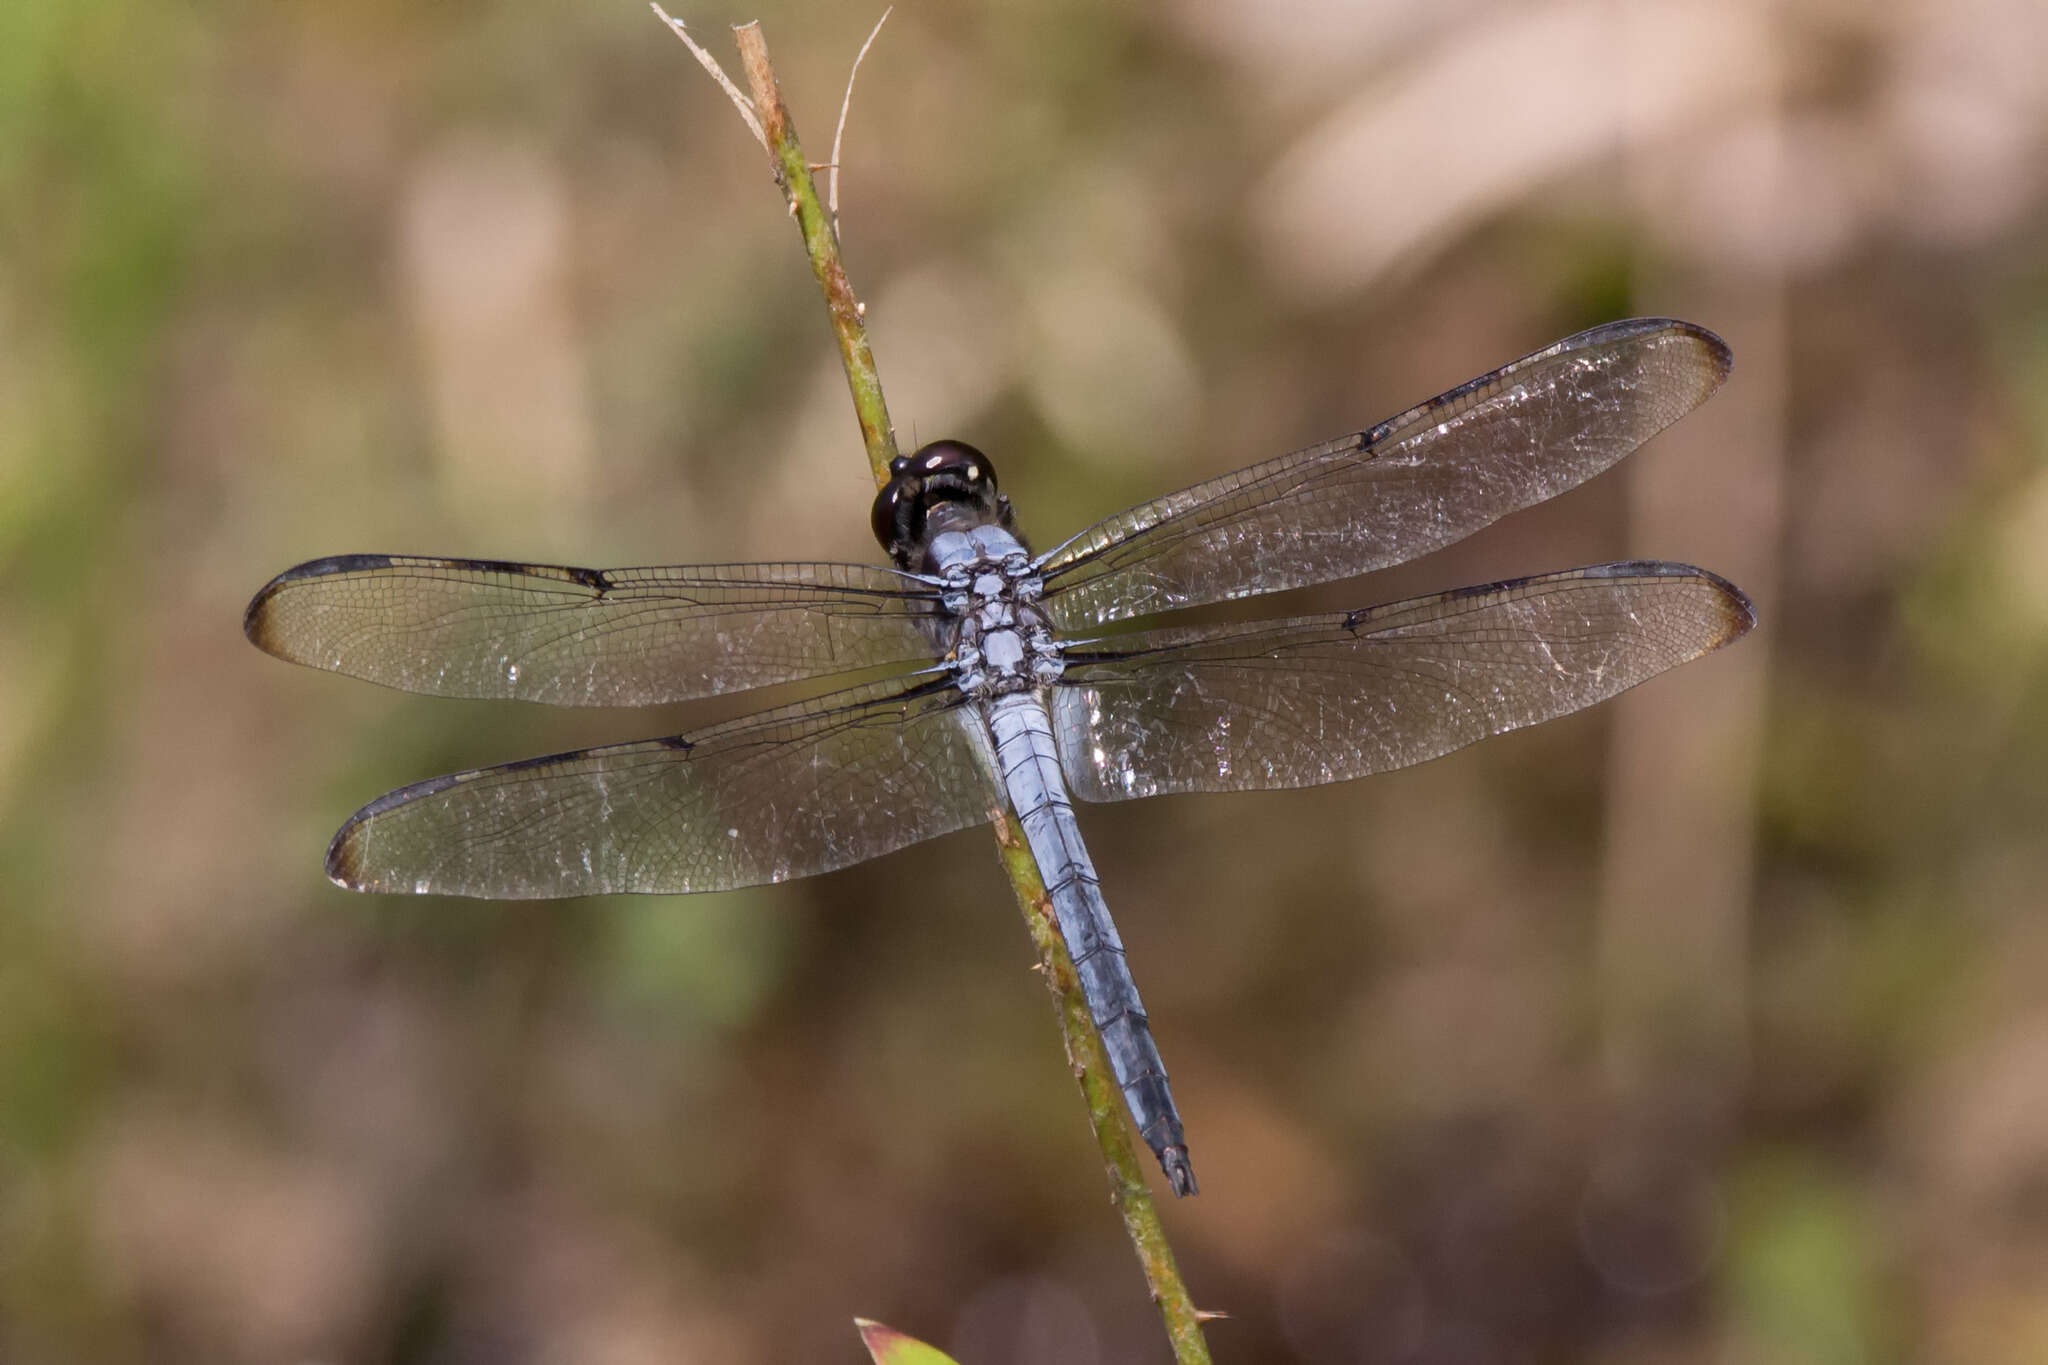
(1711, 1025)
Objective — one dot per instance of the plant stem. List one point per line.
(1128, 1188)
(821, 244)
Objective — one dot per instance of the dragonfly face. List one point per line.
(1003, 684)
(947, 485)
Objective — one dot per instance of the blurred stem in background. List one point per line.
(769, 119)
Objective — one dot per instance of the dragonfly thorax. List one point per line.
(1002, 641)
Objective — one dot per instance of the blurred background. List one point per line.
(1709, 1025)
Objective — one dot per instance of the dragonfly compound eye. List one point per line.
(955, 470)
(942, 472)
(898, 513)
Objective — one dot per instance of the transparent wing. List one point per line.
(1326, 698)
(584, 637)
(786, 793)
(1435, 474)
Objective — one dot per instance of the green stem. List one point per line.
(1128, 1189)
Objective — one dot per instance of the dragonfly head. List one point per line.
(945, 486)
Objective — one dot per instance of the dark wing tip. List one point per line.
(1737, 611)
(256, 618)
(1735, 602)
(1720, 359)
(344, 866)
(257, 621)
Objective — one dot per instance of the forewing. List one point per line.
(1435, 474)
(584, 637)
(786, 793)
(1325, 698)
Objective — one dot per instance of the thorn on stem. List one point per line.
(832, 182)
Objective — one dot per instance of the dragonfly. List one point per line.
(1001, 677)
